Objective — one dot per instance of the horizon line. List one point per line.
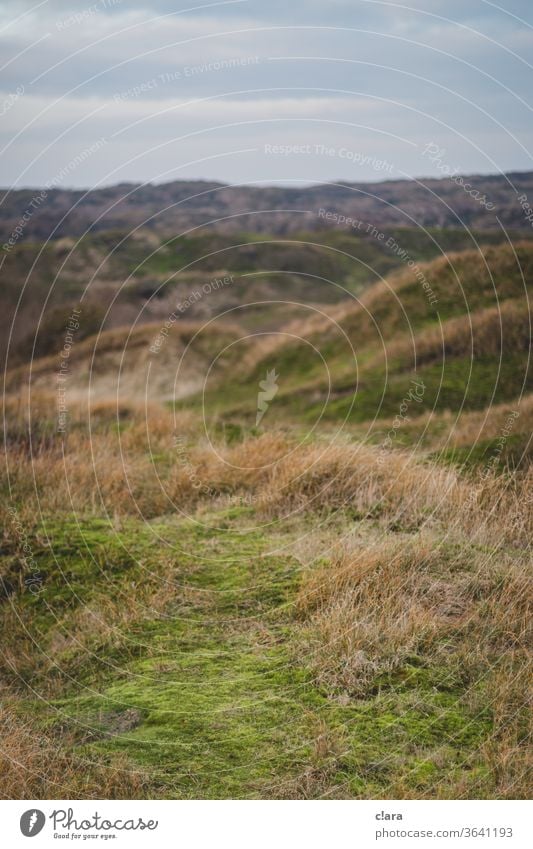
(268, 184)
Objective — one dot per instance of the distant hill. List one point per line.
(459, 325)
(179, 206)
(118, 278)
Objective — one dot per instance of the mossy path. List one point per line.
(219, 709)
(205, 691)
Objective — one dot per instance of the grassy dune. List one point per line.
(194, 605)
(353, 367)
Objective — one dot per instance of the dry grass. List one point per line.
(157, 464)
(375, 606)
(441, 576)
(465, 615)
(124, 459)
(36, 767)
(491, 332)
(401, 491)
(131, 363)
(468, 429)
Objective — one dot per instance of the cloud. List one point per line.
(145, 75)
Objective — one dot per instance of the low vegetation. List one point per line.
(195, 604)
(329, 625)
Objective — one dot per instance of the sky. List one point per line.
(100, 92)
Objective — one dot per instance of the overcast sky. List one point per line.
(106, 91)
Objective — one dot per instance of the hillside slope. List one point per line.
(147, 363)
(459, 325)
(435, 342)
(116, 278)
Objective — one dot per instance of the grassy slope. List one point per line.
(230, 661)
(470, 350)
(152, 273)
(210, 698)
(223, 662)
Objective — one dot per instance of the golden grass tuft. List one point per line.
(33, 766)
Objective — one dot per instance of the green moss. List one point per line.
(209, 696)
